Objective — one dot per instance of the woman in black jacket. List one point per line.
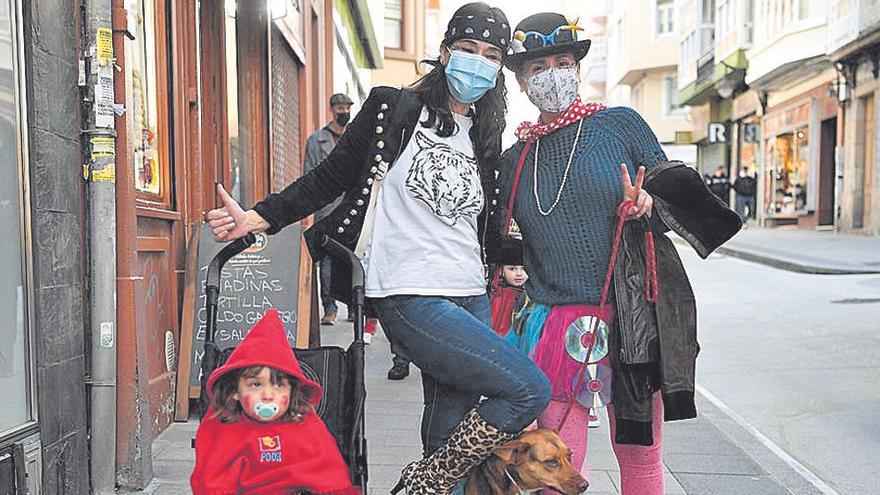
(417, 211)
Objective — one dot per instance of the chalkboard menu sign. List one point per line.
(263, 277)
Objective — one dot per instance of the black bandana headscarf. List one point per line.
(478, 21)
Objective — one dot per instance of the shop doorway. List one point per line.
(864, 163)
(828, 142)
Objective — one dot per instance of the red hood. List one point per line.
(266, 345)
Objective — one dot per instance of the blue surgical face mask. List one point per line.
(470, 76)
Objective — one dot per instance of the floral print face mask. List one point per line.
(555, 89)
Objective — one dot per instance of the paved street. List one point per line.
(796, 355)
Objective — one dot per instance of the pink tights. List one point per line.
(641, 468)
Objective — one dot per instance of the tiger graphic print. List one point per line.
(446, 180)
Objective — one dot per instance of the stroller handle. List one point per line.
(346, 255)
(233, 248)
(212, 280)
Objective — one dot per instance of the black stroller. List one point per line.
(339, 372)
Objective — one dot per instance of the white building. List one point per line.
(642, 69)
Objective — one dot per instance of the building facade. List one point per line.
(759, 78)
(595, 65)
(791, 74)
(647, 79)
(404, 25)
(160, 101)
(43, 358)
(853, 45)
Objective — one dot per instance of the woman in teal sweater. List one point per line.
(575, 167)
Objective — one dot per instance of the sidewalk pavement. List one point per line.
(700, 458)
(807, 251)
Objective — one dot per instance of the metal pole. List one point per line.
(100, 144)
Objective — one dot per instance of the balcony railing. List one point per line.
(706, 66)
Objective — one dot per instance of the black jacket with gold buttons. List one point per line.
(361, 159)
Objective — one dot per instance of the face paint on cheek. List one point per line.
(248, 404)
(284, 401)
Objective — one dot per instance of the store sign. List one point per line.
(785, 120)
(717, 132)
(752, 133)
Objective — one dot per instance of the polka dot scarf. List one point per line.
(529, 132)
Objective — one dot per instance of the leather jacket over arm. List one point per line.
(656, 343)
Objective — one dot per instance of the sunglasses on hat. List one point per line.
(534, 39)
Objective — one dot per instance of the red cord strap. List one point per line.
(509, 213)
(651, 289)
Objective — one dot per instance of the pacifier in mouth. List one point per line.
(265, 410)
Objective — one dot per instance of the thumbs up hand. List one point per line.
(230, 221)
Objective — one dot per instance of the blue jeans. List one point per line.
(743, 202)
(327, 301)
(450, 339)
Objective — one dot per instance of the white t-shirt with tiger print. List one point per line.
(424, 239)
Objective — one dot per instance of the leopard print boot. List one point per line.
(469, 444)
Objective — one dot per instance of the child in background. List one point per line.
(261, 434)
(508, 298)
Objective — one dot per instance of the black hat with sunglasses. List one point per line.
(544, 34)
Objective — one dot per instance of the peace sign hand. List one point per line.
(643, 202)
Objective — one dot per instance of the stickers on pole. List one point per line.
(103, 159)
(104, 39)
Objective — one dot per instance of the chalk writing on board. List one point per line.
(263, 277)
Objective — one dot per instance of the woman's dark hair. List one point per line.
(228, 408)
(488, 115)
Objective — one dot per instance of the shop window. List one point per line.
(15, 371)
(247, 56)
(236, 162)
(146, 56)
(394, 24)
(787, 182)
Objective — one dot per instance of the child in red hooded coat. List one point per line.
(508, 298)
(261, 434)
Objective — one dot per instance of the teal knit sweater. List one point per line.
(566, 253)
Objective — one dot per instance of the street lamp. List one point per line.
(725, 87)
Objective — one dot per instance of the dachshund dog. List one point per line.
(537, 459)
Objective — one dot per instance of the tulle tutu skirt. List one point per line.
(541, 335)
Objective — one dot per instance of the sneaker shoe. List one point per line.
(594, 420)
(368, 337)
(328, 319)
(398, 372)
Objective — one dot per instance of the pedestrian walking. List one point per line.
(318, 147)
(610, 296)
(719, 184)
(745, 186)
(423, 195)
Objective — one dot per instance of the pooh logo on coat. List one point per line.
(446, 180)
(270, 448)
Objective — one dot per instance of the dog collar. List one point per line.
(519, 490)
